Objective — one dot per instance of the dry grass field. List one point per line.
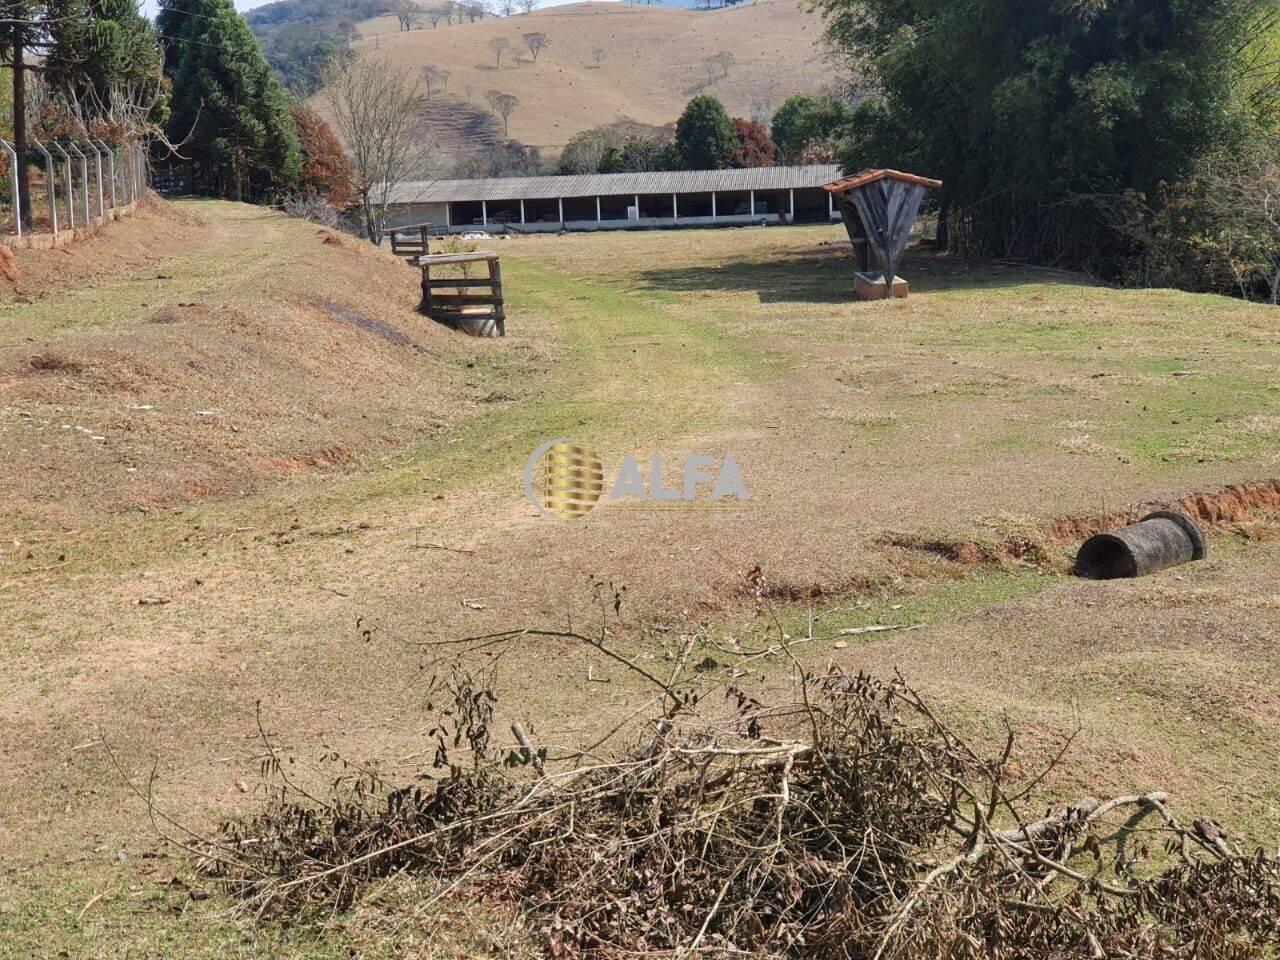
(652, 64)
(288, 482)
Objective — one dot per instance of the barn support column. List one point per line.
(484, 213)
(831, 206)
(752, 201)
(792, 206)
(675, 208)
(598, 217)
(637, 206)
(448, 215)
(522, 211)
(713, 205)
(560, 204)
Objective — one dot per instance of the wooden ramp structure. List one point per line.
(879, 208)
(452, 299)
(411, 241)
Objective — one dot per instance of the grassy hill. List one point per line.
(653, 62)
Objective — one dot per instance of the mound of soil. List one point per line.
(228, 352)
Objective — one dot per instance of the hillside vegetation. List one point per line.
(653, 60)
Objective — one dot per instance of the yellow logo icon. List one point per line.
(563, 479)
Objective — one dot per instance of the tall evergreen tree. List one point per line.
(704, 135)
(227, 104)
(99, 47)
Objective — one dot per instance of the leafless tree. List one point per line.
(527, 6)
(376, 108)
(717, 65)
(408, 13)
(503, 104)
(506, 7)
(437, 12)
(498, 46)
(431, 76)
(597, 54)
(536, 42)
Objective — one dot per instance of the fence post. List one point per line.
(111, 169)
(52, 176)
(84, 180)
(97, 169)
(13, 170)
(71, 187)
(135, 181)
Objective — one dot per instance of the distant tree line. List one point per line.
(705, 137)
(301, 37)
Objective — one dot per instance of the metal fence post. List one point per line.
(71, 187)
(111, 169)
(52, 176)
(97, 169)
(17, 200)
(84, 180)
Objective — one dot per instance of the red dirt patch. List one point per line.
(1240, 503)
(968, 552)
(323, 457)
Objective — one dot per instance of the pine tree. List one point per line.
(98, 48)
(704, 135)
(227, 104)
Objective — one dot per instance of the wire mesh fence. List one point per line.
(71, 183)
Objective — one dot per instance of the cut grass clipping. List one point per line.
(848, 821)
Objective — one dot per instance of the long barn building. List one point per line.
(619, 201)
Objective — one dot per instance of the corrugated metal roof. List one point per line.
(614, 184)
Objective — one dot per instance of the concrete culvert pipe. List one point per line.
(1162, 539)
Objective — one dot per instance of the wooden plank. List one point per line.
(499, 310)
(465, 299)
(462, 315)
(458, 282)
(437, 259)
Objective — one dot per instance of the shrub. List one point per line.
(325, 170)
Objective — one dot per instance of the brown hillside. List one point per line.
(208, 351)
(653, 62)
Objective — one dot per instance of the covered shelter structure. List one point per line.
(879, 208)
(618, 201)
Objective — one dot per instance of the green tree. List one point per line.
(99, 48)
(226, 102)
(1030, 112)
(704, 135)
(806, 118)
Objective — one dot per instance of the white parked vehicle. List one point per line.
(475, 235)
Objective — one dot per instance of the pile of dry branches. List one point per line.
(852, 822)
